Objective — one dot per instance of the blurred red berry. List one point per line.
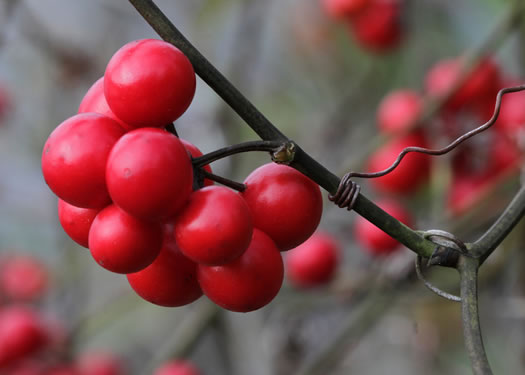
(398, 110)
(21, 334)
(314, 262)
(373, 239)
(177, 367)
(99, 363)
(378, 27)
(410, 174)
(23, 277)
(343, 9)
(481, 83)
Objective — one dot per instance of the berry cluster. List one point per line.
(476, 167)
(375, 24)
(30, 341)
(127, 191)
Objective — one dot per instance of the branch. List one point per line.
(488, 242)
(468, 272)
(267, 131)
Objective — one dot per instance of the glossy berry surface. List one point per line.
(95, 101)
(285, 204)
(314, 262)
(76, 221)
(171, 280)
(23, 277)
(122, 243)
(342, 9)
(215, 226)
(373, 239)
(149, 83)
(398, 110)
(149, 174)
(21, 334)
(410, 174)
(378, 27)
(177, 367)
(249, 282)
(75, 156)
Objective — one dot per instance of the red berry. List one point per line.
(285, 204)
(23, 277)
(378, 27)
(21, 334)
(373, 239)
(410, 174)
(6, 102)
(95, 101)
(62, 369)
(171, 280)
(74, 159)
(195, 153)
(314, 262)
(149, 82)
(215, 226)
(398, 110)
(343, 9)
(149, 174)
(177, 367)
(249, 282)
(99, 363)
(76, 221)
(122, 243)
(482, 81)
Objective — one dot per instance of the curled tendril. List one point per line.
(346, 194)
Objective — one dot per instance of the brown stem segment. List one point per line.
(468, 272)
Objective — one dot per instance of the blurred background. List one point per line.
(320, 75)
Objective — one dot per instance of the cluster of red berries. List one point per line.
(375, 24)
(126, 191)
(475, 167)
(483, 162)
(31, 343)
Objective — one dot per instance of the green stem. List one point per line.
(488, 242)
(468, 271)
(267, 131)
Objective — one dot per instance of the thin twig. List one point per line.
(269, 146)
(488, 242)
(223, 181)
(468, 272)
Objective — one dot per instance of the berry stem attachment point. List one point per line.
(280, 152)
(224, 181)
(171, 129)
